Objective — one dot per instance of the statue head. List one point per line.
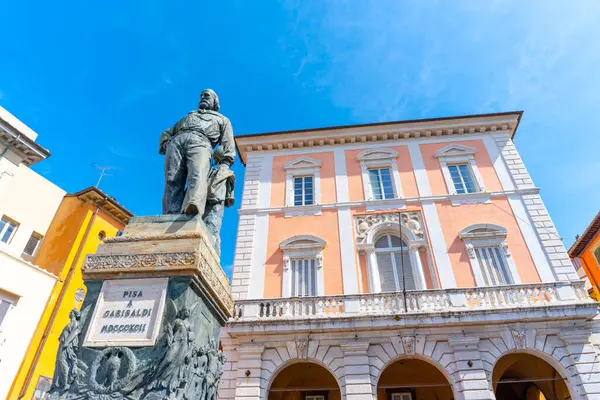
(184, 313)
(75, 314)
(209, 100)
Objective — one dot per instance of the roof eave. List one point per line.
(436, 126)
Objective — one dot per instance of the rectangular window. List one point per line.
(462, 178)
(42, 388)
(4, 307)
(313, 397)
(493, 265)
(7, 229)
(304, 277)
(381, 183)
(303, 190)
(32, 244)
(402, 396)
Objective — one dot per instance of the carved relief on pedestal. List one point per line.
(147, 260)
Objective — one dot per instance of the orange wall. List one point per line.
(453, 219)
(407, 176)
(590, 264)
(327, 179)
(61, 235)
(482, 159)
(324, 226)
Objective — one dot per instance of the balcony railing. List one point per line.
(412, 302)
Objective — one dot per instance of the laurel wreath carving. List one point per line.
(129, 357)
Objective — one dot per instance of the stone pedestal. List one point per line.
(149, 326)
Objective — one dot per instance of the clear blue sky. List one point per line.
(99, 81)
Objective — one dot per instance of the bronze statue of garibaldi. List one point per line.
(188, 149)
(190, 157)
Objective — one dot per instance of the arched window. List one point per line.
(490, 257)
(390, 260)
(393, 263)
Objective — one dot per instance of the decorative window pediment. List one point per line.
(302, 162)
(303, 266)
(377, 154)
(302, 242)
(483, 231)
(381, 179)
(455, 150)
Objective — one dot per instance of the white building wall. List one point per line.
(28, 287)
(29, 199)
(538, 216)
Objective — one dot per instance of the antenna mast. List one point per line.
(103, 173)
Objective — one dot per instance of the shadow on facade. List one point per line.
(410, 379)
(304, 381)
(527, 377)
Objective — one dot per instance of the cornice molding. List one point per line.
(376, 133)
(410, 201)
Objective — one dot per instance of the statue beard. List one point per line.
(206, 106)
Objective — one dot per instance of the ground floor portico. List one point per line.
(543, 352)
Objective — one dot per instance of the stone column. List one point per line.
(415, 259)
(375, 281)
(357, 377)
(470, 379)
(249, 384)
(228, 380)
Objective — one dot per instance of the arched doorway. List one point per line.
(304, 381)
(522, 376)
(413, 379)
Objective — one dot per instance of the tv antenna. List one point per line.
(103, 173)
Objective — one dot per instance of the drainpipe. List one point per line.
(58, 302)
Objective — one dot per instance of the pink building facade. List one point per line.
(422, 245)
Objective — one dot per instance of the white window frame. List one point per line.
(493, 236)
(303, 166)
(12, 301)
(302, 247)
(376, 159)
(12, 235)
(455, 154)
(304, 191)
(401, 395)
(36, 248)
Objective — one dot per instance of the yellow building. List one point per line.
(82, 221)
